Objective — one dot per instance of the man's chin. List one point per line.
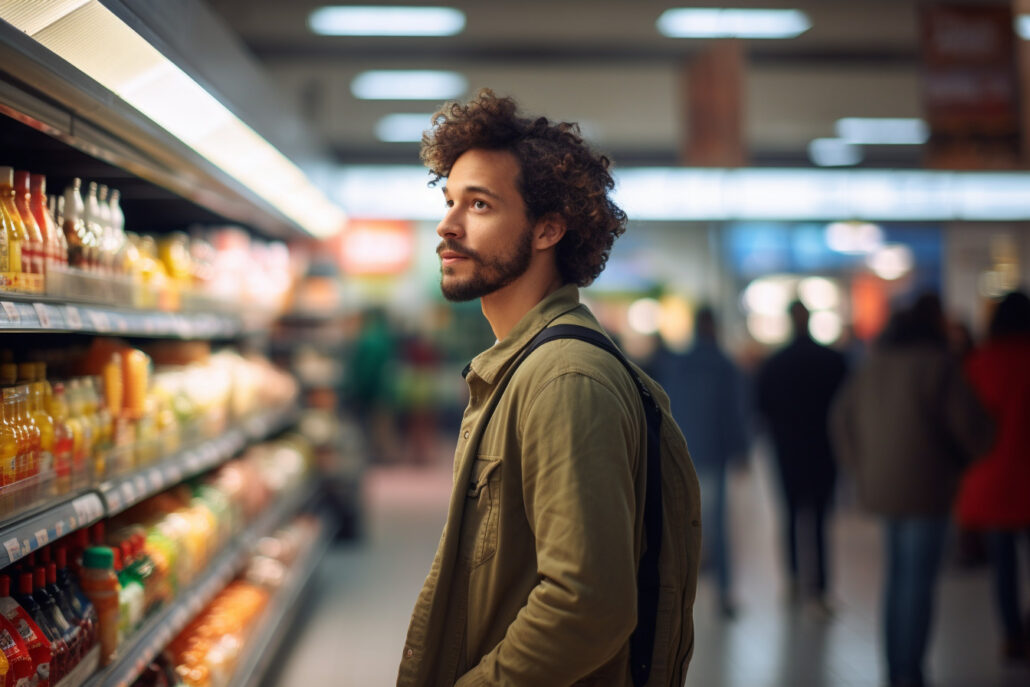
(458, 291)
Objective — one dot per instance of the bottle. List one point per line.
(82, 426)
(64, 440)
(44, 218)
(40, 626)
(132, 587)
(73, 226)
(22, 669)
(10, 456)
(80, 630)
(19, 490)
(145, 570)
(66, 630)
(100, 583)
(16, 234)
(101, 429)
(36, 446)
(29, 372)
(40, 647)
(80, 604)
(37, 244)
(95, 228)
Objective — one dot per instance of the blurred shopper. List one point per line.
(794, 389)
(370, 384)
(905, 426)
(995, 493)
(705, 394)
(534, 581)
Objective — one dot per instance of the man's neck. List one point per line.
(506, 306)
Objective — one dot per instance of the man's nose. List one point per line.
(449, 227)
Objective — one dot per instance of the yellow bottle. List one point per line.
(10, 452)
(64, 438)
(37, 409)
(36, 435)
(82, 429)
(15, 230)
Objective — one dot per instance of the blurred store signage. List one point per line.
(678, 194)
(970, 85)
(376, 247)
(715, 22)
(370, 20)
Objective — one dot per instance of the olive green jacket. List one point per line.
(534, 580)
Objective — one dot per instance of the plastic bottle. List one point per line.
(100, 583)
(64, 441)
(10, 453)
(55, 635)
(37, 643)
(95, 229)
(80, 604)
(22, 669)
(30, 373)
(80, 630)
(144, 569)
(17, 235)
(74, 227)
(56, 254)
(66, 629)
(82, 428)
(37, 239)
(8, 245)
(132, 588)
(36, 438)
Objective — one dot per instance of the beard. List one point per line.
(489, 274)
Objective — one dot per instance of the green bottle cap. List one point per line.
(98, 557)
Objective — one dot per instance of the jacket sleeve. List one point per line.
(580, 444)
(971, 426)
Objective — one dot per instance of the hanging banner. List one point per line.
(713, 100)
(970, 87)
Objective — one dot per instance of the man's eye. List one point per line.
(479, 205)
(448, 202)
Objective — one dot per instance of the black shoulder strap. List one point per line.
(641, 643)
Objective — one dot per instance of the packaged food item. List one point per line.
(100, 584)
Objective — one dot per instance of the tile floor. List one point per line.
(352, 629)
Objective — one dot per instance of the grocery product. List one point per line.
(100, 584)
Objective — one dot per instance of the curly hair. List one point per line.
(558, 173)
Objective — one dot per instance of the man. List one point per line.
(534, 580)
(705, 390)
(795, 388)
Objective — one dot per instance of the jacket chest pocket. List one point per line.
(482, 506)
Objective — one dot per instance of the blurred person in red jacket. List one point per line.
(995, 493)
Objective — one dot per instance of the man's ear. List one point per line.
(548, 231)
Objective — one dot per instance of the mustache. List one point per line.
(452, 245)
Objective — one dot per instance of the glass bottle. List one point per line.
(16, 233)
(29, 372)
(64, 439)
(56, 253)
(36, 245)
(95, 228)
(71, 209)
(10, 454)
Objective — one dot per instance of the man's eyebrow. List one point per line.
(476, 189)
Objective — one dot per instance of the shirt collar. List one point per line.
(488, 364)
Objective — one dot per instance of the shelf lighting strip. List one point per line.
(95, 41)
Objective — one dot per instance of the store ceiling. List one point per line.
(603, 63)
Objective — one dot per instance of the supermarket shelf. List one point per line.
(23, 313)
(136, 654)
(260, 649)
(35, 530)
(124, 492)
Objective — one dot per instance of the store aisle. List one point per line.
(353, 628)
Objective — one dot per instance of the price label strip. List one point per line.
(11, 310)
(43, 315)
(72, 317)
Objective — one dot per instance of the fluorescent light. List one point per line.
(398, 128)
(704, 194)
(710, 22)
(131, 68)
(883, 130)
(410, 84)
(854, 238)
(833, 152)
(1022, 23)
(892, 261)
(366, 20)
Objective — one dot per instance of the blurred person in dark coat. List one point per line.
(794, 388)
(706, 397)
(995, 494)
(905, 426)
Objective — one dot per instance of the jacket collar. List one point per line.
(489, 364)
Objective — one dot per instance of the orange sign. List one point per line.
(375, 247)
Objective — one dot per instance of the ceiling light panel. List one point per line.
(408, 84)
(367, 20)
(1022, 23)
(883, 130)
(95, 41)
(712, 22)
(402, 127)
(834, 152)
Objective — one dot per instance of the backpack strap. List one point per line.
(641, 643)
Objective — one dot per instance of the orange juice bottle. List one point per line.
(29, 372)
(26, 419)
(8, 380)
(100, 583)
(82, 461)
(16, 235)
(37, 245)
(64, 439)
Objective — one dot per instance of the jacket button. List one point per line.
(408, 653)
(466, 434)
